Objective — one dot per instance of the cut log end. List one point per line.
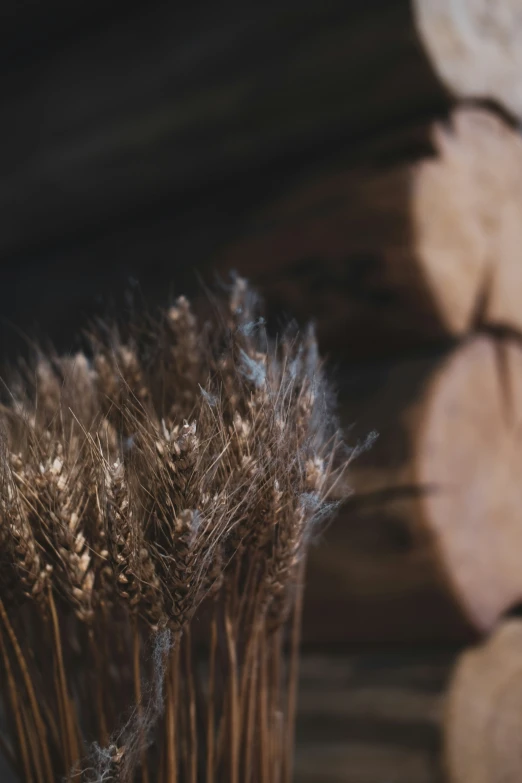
(483, 720)
(466, 212)
(469, 457)
(475, 47)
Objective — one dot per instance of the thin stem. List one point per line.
(61, 716)
(251, 620)
(233, 595)
(100, 708)
(275, 704)
(211, 739)
(293, 677)
(106, 654)
(222, 735)
(15, 706)
(233, 699)
(137, 697)
(30, 692)
(192, 727)
(72, 744)
(249, 718)
(247, 606)
(33, 742)
(171, 719)
(264, 745)
(249, 678)
(277, 754)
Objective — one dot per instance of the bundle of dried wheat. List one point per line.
(158, 498)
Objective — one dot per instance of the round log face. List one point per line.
(483, 721)
(475, 47)
(469, 457)
(466, 221)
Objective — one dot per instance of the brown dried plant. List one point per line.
(159, 494)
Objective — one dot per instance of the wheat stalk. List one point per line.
(159, 494)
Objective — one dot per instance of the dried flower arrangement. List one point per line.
(158, 498)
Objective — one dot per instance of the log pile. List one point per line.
(476, 49)
(413, 273)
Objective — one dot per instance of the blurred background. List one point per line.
(354, 162)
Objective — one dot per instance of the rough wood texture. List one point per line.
(483, 717)
(392, 259)
(371, 718)
(442, 478)
(475, 46)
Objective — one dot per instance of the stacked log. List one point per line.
(475, 47)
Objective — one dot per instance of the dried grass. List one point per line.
(159, 494)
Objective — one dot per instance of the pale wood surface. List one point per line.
(476, 47)
(483, 719)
